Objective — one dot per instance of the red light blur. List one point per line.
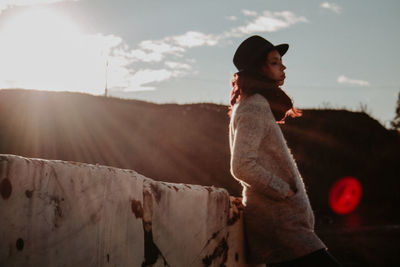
(345, 195)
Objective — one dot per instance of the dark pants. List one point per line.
(317, 258)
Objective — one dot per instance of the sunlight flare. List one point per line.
(44, 49)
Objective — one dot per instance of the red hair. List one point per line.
(246, 84)
(235, 93)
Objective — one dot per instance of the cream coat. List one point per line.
(277, 228)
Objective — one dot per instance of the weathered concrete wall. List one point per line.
(56, 213)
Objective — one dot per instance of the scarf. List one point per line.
(279, 101)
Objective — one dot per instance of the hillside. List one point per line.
(189, 143)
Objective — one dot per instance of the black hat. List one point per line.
(252, 48)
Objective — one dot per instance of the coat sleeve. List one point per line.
(250, 127)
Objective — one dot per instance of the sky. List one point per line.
(342, 54)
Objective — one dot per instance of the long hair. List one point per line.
(246, 83)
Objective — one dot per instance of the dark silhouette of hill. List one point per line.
(189, 143)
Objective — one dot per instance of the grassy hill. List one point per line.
(189, 143)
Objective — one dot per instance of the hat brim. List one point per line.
(282, 48)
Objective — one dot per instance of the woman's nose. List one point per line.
(283, 67)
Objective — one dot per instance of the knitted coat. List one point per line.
(277, 228)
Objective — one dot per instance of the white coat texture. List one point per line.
(277, 228)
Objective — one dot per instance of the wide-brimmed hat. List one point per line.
(252, 48)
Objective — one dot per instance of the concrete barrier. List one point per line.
(57, 213)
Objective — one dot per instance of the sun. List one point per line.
(40, 21)
(42, 48)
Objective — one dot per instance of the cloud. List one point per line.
(141, 80)
(4, 4)
(158, 50)
(249, 13)
(178, 65)
(45, 50)
(332, 6)
(267, 22)
(192, 39)
(344, 80)
(40, 48)
(177, 45)
(231, 18)
(154, 50)
(162, 50)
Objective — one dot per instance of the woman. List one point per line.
(279, 221)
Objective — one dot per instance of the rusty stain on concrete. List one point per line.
(147, 209)
(220, 250)
(214, 235)
(56, 211)
(20, 244)
(28, 193)
(156, 191)
(5, 188)
(235, 211)
(94, 218)
(151, 251)
(137, 208)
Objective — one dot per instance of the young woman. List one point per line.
(279, 221)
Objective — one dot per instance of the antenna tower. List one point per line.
(106, 87)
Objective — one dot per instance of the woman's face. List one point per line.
(273, 67)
